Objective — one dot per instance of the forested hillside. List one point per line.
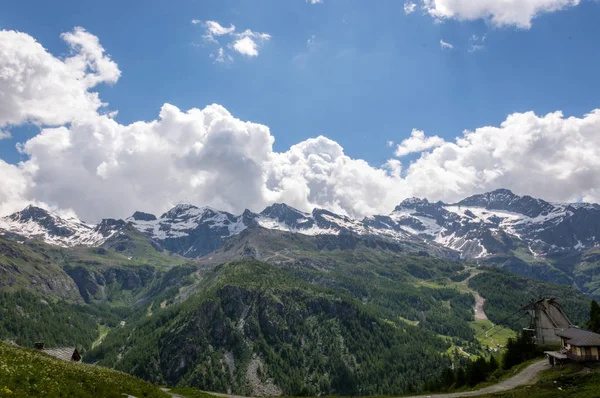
(273, 332)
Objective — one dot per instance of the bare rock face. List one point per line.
(262, 386)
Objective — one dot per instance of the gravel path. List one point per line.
(525, 377)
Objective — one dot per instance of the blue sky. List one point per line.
(334, 82)
(372, 75)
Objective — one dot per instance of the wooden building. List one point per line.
(578, 345)
(64, 353)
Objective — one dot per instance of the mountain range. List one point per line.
(519, 233)
(477, 227)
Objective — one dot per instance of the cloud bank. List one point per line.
(91, 164)
(519, 13)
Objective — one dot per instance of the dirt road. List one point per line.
(525, 377)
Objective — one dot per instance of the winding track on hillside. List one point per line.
(526, 377)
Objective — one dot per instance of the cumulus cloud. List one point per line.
(248, 42)
(13, 188)
(215, 29)
(37, 87)
(100, 168)
(314, 1)
(200, 156)
(551, 157)
(445, 45)
(517, 13)
(417, 142)
(5, 135)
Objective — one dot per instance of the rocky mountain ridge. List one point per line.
(478, 227)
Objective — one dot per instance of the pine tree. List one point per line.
(492, 365)
(461, 378)
(594, 322)
(448, 378)
(509, 359)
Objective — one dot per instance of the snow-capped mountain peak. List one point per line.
(36, 223)
(503, 199)
(479, 226)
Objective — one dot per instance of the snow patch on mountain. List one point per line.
(478, 227)
(182, 220)
(36, 223)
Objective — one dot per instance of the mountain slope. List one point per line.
(27, 373)
(23, 267)
(274, 334)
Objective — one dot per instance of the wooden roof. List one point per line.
(580, 337)
(64, 353)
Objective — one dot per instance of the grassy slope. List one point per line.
(25, 267)
(27, 373)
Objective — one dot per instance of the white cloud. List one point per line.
(551, 157)
(390, 143)
(39, 88)
(248, 42)
(314, 1)
(445, 46)
(417, 142)
(476, 43)
(221, 56)
(101, 168)
(409, 7)
(215, 29)
(4, 135)
(13, 188)
(517, 13)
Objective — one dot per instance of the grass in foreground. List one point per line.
(28, 373)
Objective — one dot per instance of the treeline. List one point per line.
(473, 373)
(518, 350)
(594, 323)
(27, 318)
